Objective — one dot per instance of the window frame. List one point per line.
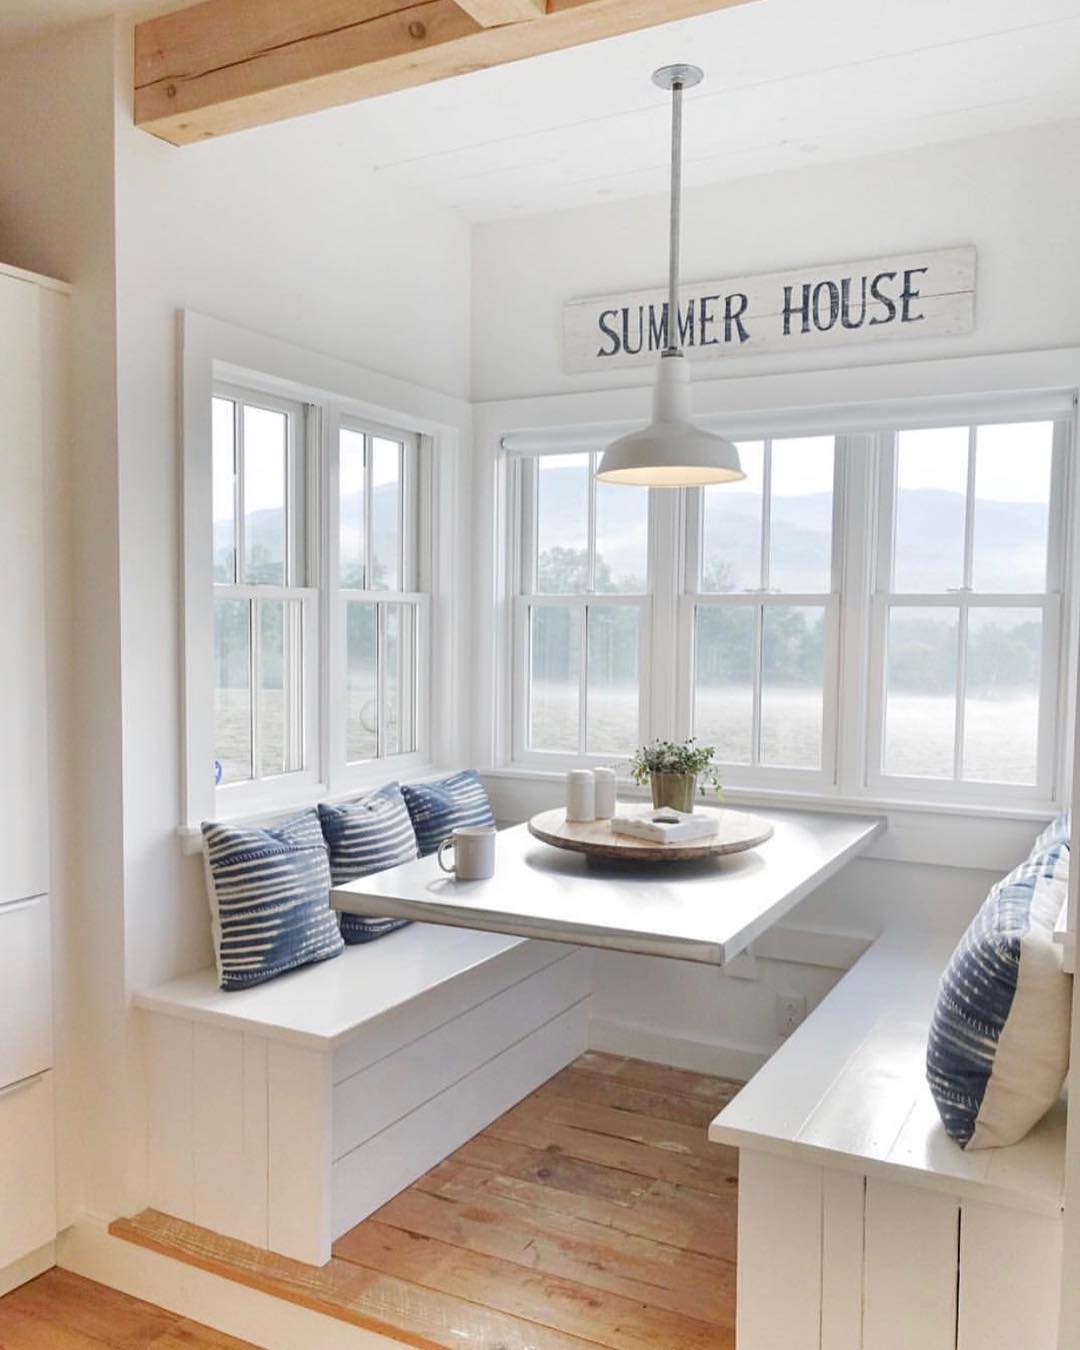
(1052, 604)
(691, 598)
(526, 598)
(300, 585)
(1044, 389)
(345, 775)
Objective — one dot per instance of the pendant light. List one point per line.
(671, 451)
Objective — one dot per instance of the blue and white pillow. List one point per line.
(438, 809)
(269, 896)
(364, 837)
(998, 1051)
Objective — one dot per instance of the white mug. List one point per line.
(474, 853)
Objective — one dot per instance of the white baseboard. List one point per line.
(88, 1249)
(27, 1267)
(739, 1062)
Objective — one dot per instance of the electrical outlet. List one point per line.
(790, 1013)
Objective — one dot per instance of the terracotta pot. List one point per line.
(676, 790)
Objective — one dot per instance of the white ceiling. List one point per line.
(788, 83)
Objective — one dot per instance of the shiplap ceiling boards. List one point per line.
(790, 85)
(227, 65)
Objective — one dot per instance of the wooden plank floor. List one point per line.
(595, 1213)
(61, 1311)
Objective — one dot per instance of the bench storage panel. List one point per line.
(287, 1137)
(862, 1226)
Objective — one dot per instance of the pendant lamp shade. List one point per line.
(671, 451)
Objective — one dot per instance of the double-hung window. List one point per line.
(761, 610)
(582, 615)
(379, 606)
(967, 609)
(878, 612)
(265, 607)
(319, 607)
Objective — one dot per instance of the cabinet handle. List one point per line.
(20, 902)
(18, 1086)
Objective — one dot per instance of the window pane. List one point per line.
(352, 514)
(232, 690)
(724, 680)
(622, 538)
(399, 648)
(385, 514)
(792, 685)
(731, 527)
(1012, 506)
(555, 665)
(920, 710)
(562, 523)
(1001, 707)
(800, 522)
(361, 681)
(612, 723)
(281, 686)
(931, 492)
(265, 457)
(223, 458)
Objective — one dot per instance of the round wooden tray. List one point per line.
(738, 831)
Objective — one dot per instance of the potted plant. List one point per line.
(674, 770)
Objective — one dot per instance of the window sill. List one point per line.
(191, 837)
(977, 836)
(818, 801)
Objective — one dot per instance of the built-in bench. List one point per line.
(862, 1226)
(283, 1115)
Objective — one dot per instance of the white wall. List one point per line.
(1015, 196)
(259, 230)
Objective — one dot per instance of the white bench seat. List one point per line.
(284, 1114)
(861, 1224)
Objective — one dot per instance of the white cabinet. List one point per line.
(23, 790)
(25, 989)
(27, 1169)
(28, 310)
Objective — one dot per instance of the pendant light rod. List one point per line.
(676, 78)
(671, 452)
(673, 335)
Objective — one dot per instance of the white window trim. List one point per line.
(526, 597)
(914, 393)
(215, 353)
(1049, 787)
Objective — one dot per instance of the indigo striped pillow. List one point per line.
(440, 808)
(269, 896)
(998, 1050)
(364, 837)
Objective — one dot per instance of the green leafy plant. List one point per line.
(683, 757)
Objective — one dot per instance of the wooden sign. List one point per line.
(901, 296)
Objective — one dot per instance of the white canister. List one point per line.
(580, 795)
(605, 793)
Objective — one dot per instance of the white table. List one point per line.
(706, 911)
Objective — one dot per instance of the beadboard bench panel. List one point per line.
(284, 1143)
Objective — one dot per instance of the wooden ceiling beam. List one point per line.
(227, 65)
(492, 13)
